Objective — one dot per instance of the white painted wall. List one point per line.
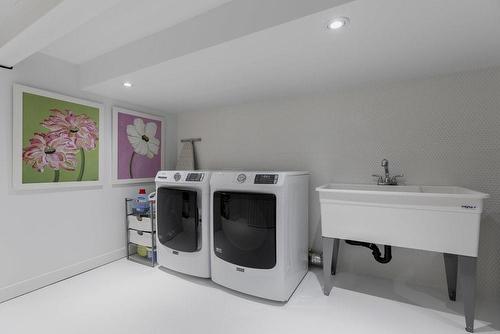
(48, 235)
(438, 131)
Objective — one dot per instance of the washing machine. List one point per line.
(259, 231)
(182, 219)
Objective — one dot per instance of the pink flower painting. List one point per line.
(56, 140)
(69, 134)
(80, 128)
(56, 151)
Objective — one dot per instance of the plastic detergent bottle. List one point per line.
(142, 202)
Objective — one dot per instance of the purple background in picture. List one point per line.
(142, 166)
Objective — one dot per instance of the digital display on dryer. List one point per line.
(266, 179)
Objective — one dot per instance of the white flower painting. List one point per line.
(142, 138)
(138, 146)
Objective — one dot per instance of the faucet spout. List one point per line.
(387, 179)
(385, 164)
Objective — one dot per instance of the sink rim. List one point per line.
(467, 194)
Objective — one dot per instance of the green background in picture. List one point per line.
(36, 108)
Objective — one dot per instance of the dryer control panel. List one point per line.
(266, 179)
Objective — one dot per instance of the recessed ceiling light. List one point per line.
(338, 23)
(127, 84)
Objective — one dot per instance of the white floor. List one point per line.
(124, 297)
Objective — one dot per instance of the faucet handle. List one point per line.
(394, 179)
(380, 178)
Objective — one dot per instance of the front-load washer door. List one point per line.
(177, 219)
(245, 228)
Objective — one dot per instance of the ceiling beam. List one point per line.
(49, 25)
(15, 16)
(230, 21)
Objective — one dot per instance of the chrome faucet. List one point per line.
(387, 179)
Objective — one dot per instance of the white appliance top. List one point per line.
(262, 172)
(268, 178)
(182, 177)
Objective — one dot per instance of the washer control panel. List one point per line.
(182, 177)
(266, 179)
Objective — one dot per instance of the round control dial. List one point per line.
(241, 178)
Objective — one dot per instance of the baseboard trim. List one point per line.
(35, 283)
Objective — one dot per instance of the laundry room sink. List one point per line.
(435, 218)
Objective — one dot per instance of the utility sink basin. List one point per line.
(432, 218)
(435, 218)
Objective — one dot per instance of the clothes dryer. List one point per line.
(259, 222)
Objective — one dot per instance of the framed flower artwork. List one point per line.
(138, 151)
(57, 140)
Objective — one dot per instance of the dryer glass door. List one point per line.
(177, 219)
(245, 228)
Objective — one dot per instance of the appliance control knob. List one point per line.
(177, 176)
(241, 178)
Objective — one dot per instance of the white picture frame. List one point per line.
(18, 144)
(116, 169)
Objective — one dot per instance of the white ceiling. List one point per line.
(15, 15)
(201, 54)
(127, 21)
(386, 40)
(28, 26)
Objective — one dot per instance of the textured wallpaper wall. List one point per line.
(437, 131)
